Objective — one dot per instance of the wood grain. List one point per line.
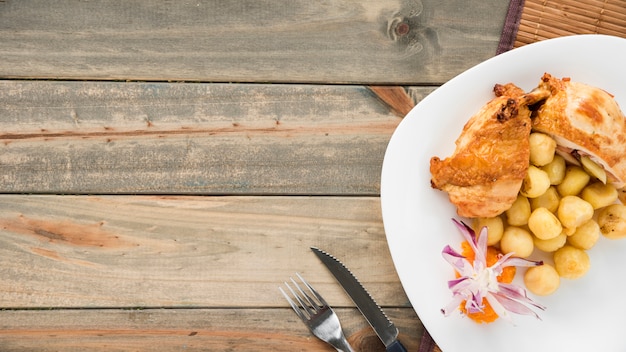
(396, 98)
(164, 138)
(160, 251)
(375, 42)
(187, 329)
(141, 211)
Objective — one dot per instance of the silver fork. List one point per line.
(317, 315)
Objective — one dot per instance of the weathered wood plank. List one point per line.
(372, 42)
(162, 251)
(396, 98)
(187, 138)
(188, 330)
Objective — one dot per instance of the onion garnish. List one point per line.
(477, 281)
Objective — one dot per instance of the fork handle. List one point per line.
(342, 345)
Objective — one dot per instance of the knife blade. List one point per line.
(384, 328)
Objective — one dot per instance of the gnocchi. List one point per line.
(599, 195)
(519, 212)
(535, 183)
(574, 211)
(555, 170)
(571, 262)
(612, 221)
(593, 169)
(542, 148)
(543, 224)
(495, 228)
(551, 244)
(518, 241)
(574, 181)
(542, 280)
(585, 236)
(549, 200)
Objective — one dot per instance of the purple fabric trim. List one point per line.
(511, 25)
(427, 344)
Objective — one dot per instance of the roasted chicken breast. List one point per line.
(584, 121)
(485, 172)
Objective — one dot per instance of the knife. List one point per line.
(384, 328)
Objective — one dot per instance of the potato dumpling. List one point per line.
(599, 195)
(518, 213)
(574, 181)
(550, 245)
(518, 241)
(495, 228)
(568, 231)
(555, 170)
(542, 280)
(535, 183)
(574, 211)
(542, 148)
(586, 235)
(544, 224)
(612, 221)
(593, 169)
(549, 200)
(571, 262)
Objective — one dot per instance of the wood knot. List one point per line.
(402, 29)
(407, 28)
(405, 19)
(365, 340)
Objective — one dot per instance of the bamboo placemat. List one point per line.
(549, 19)
(530, 21)
(545, 19)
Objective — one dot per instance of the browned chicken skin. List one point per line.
(485, 173)
(584, 120)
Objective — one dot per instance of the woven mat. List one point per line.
(535, 20)
(530, 21)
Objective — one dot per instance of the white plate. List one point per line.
(587, 314)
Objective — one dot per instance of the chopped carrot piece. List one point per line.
(493, 253)
(488, 315)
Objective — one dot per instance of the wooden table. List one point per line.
(165, 166)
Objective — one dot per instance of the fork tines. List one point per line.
(307, 306)
(316, 314)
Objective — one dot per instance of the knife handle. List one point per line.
(396, 346)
